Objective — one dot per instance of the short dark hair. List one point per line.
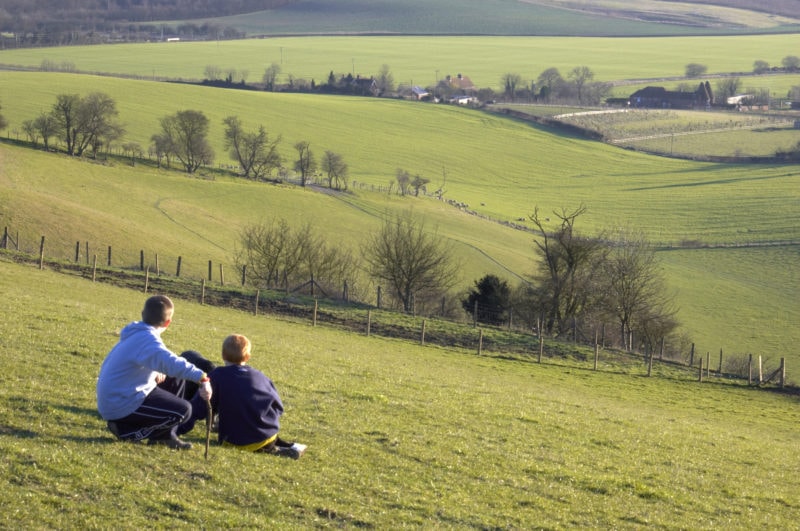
(157, 310)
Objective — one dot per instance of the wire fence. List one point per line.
(307, 302)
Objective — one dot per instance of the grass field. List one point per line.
(504, 17)
(399, 435)
(501, 168)
(420, 60)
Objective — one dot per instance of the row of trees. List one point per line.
(87, 124)
(579, 282)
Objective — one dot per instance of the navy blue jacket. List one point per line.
(247, 402)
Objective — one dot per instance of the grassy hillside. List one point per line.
(399, 435)
(505, 17)
(423, 60)
(501, 168)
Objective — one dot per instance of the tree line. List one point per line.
(578, 283)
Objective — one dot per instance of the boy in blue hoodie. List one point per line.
(128, 395)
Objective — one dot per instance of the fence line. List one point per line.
(525, 342)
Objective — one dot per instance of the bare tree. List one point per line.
(403, 179)
(184, 135)
(254, 152)
(336, 170)
(580, 76)
(548, 80)
(634, 288)
(563, 281)
(415, 263)
(3, 122)
(270, 76)
(276, 253)
(385, 80)
(46, 125)
(86, 122)
(213, 73)
(305, 164)
(511, 82)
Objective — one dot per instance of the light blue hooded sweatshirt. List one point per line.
(128, 373)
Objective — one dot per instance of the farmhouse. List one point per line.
(661, 98)
(460, 82)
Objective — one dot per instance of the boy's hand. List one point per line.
(160, 377)
(204, 390)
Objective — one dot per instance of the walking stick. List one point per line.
(209, 420)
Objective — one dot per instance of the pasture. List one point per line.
(501, 168)
(417, 60)
(498, 17)
(399, 435)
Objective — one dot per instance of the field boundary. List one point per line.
(483, 340)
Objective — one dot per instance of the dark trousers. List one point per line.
(157, 417)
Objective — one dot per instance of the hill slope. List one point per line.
(399, 435)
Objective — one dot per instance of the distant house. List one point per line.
(419, 93)
(460, 82)
(661, 98)
(365, 86)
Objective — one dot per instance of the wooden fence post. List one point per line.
(719, 371)
(650, 362)
(255, 310)
(316, 307)
(221, 275)
(209, 271)
(94, 269)
(4, 241)
(146, 279)
(760, 371)
(77, 250)
(541, 342)
(109, 256)
(158, 267)
(345, 293)
(422, 336)
(369, 321)
(596, 350)
(87, 253)
(480, 341)
(244, 274)
(701, 370)
(41, 254)
(783, 372)
(178, 269)
(203, 292)
(691, 357)
(708, 364)
(379, 298)
(750, 370)
(141, 260)
(661, 351)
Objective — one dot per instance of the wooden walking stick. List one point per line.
(209, 420)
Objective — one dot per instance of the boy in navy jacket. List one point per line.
(247, 403)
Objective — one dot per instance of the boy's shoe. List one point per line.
(294, 451)
(171, 442)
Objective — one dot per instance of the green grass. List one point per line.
(503, 17)
(501, 168)
(399, 435)
(412, 59)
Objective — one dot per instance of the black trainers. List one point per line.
(171, 442)
(113, 427)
